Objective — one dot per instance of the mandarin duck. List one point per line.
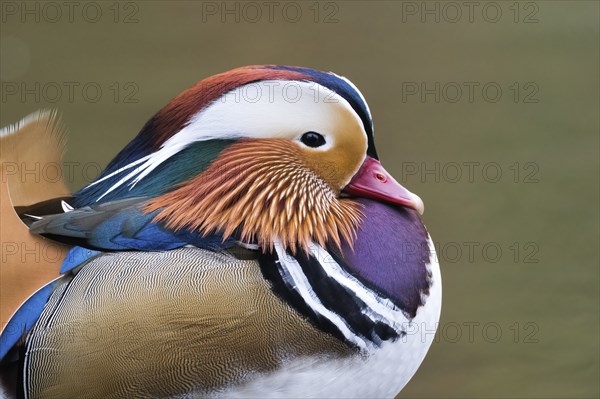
(246, 243)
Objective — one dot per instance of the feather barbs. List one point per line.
(259, 191)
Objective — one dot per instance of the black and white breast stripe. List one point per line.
(335, 301)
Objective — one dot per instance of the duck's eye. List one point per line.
(312, 139)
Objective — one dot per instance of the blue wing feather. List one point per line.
(117, 223)
(77, 256)
(24, 318)
(120, 226)
(106, 227)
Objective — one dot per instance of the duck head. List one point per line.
(280, 153)
(282, 159)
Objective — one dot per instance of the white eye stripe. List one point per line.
(265, 109)
(273, 114)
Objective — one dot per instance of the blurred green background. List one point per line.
(519, 250)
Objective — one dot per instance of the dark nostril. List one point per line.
(381, 177)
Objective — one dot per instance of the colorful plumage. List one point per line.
(247, 242)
